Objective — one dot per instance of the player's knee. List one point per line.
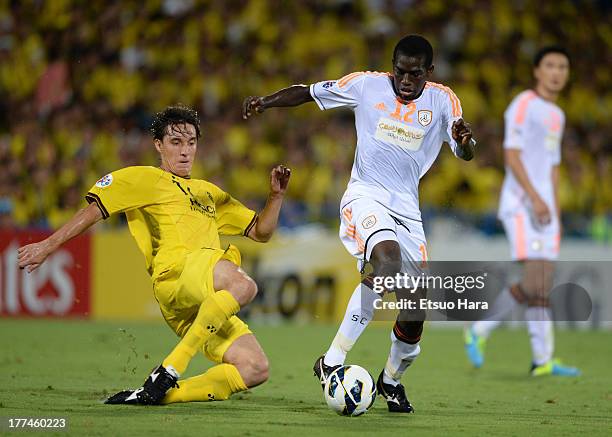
(261, 370)
(390, 268)
(387, 263)
(250, 289)
(254, 370)
(244, 290)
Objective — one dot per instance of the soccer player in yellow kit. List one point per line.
(176, 222)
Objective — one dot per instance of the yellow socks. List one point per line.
(213, 312)
(217, 384)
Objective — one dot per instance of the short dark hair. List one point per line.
(172, 115)
(549, 49)
(414, 45)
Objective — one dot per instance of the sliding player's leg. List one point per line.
(242, 364)
(233, 290)
(207, 292)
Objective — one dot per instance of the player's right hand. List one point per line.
(541, 211)
(33, 255)
(252, 105)
(279, 180)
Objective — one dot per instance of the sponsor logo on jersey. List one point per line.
(400, 134)
(424, 117)
(195, 204)
(369, 221)
(328, 84)
(105, 181)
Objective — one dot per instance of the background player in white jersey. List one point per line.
(401, 121)
(529, 210)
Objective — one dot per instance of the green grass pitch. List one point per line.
(65, 369)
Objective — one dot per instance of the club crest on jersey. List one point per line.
(105, 181)
(369, 221)
(424, 117)
(328, 84)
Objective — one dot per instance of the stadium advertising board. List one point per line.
(60, 287)
(292, 283)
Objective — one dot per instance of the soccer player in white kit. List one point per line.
(402, 120)
(529, 210)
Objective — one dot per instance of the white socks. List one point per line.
(358, 314)
(540, 326)
(400, 358)
(504, 304)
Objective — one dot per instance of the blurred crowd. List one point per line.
(79, 83)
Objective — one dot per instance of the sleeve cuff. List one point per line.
(453, 145)
(93, 198)
(316, 98)
(250, 225)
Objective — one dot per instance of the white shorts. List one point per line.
(529, 240)
(365, 223)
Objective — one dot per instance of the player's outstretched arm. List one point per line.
(268, 217)
(462, 134)
(33, 255)
(292, 96)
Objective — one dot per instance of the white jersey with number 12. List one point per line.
(397, 142)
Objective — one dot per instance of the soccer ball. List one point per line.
(350, 390)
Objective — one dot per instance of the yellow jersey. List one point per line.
(170, 216)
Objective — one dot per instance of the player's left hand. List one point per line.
(279, 180)
(462, 133)
(33, 255)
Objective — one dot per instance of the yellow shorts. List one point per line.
(180, 295)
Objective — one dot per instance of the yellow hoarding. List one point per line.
(304, 276)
